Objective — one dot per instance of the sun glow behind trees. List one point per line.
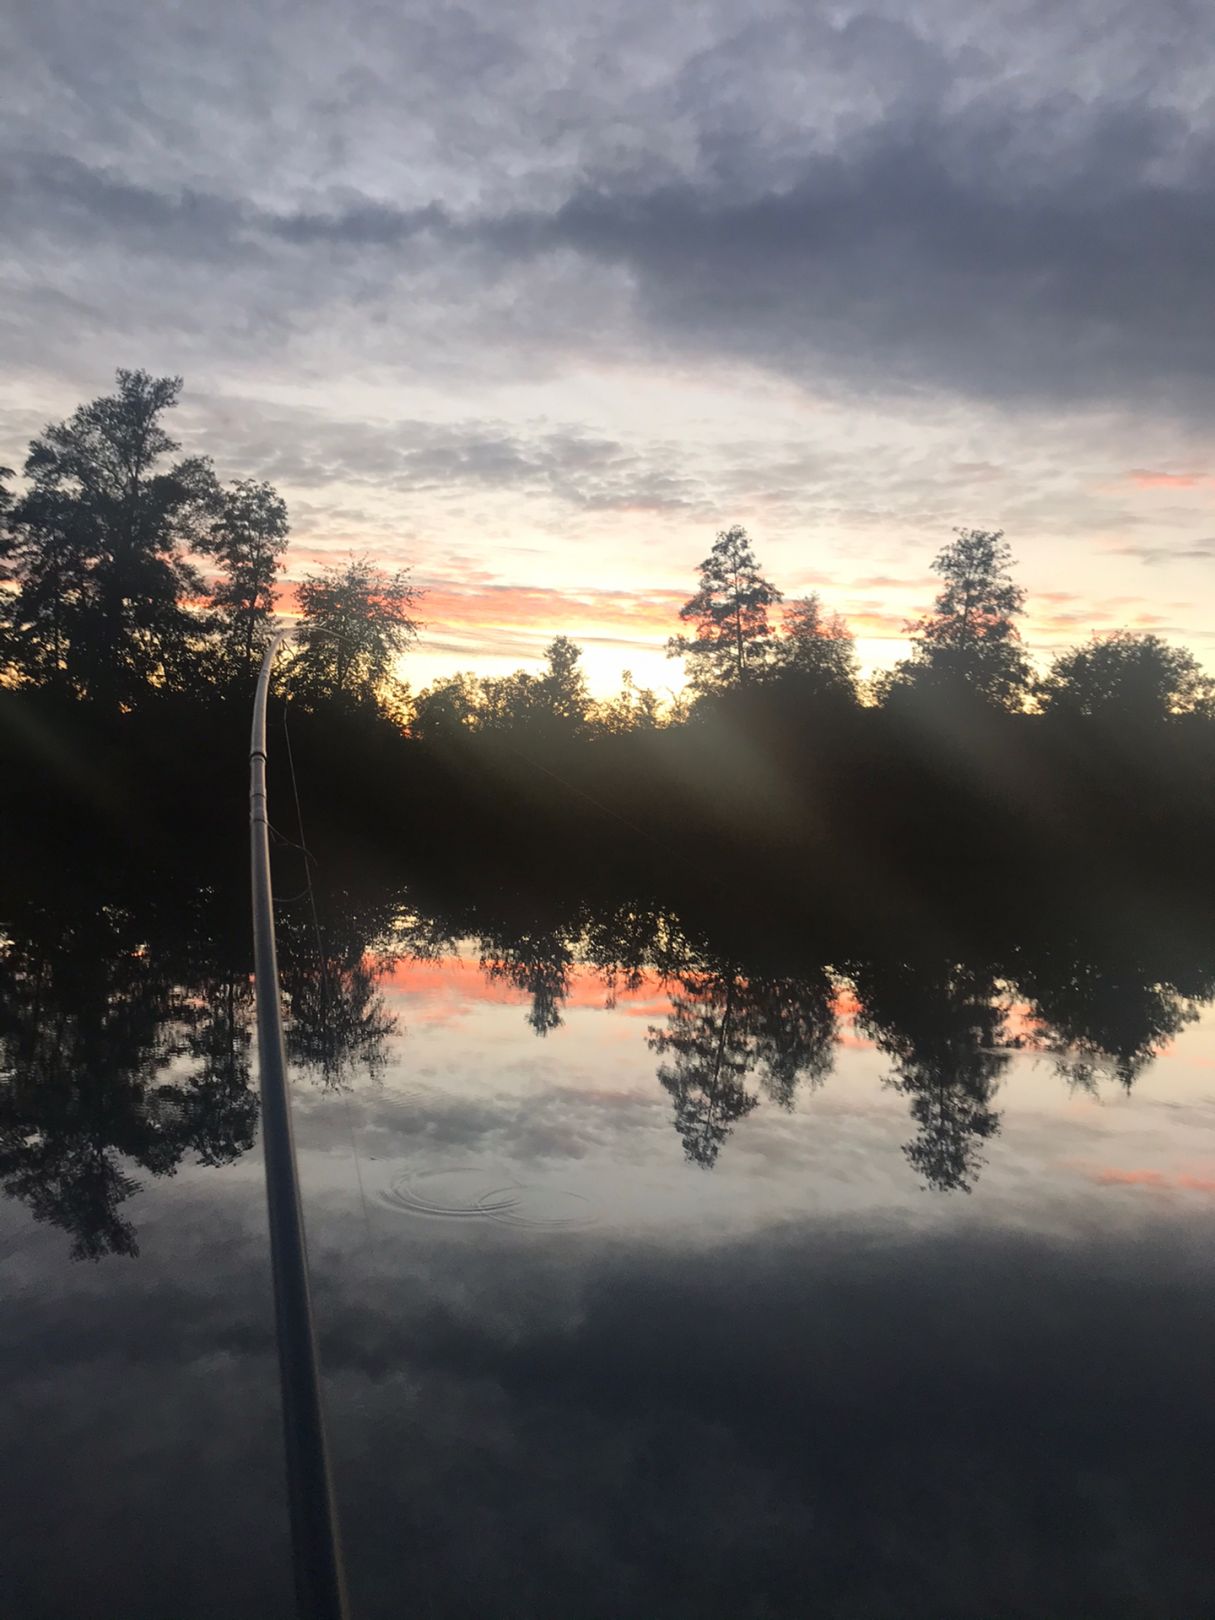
(106, 601)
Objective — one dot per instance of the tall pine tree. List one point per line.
(970, 641)
(733, 642)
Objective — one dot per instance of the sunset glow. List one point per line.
(541, 359)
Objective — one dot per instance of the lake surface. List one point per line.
(653, 1277)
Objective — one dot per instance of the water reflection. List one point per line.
(126, 1018)
(1109, 1019)
(943, 1026)
(126, 1032)
(724, 1029)
(665, 1267)
(538, 964)
(108, 1055)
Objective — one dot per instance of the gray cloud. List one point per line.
(977, 242)
(1183, 551)
(309, 451)
(859, 203)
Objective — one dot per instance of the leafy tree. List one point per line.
(6, 501)
(217, 1105)
(449, 707)
(817, 650)
(555, 704)
(97, 549)
(6, 574)
(509, 702)
(338, 1024)
(970, 640)
(564, 701)
(332, 959)
(733, 640)
(247, 539)
(357, 620)
(1127, 678)
(635, 708)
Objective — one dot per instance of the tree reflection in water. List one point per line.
(331, 961)
(126, 1040)
(943, 1026)
(538, 964)
(105, 1057)
(723, 1028)
(1110, 1020)
(126, 1018)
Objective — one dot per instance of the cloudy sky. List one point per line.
(535, 297)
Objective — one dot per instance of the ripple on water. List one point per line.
(469, 1193)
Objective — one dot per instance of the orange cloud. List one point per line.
(445, 606)
(1148, 478)
(1156, 1179)
(507, 606)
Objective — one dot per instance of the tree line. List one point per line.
(131, 574)
(103, 556)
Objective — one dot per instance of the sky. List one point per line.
(535, 298)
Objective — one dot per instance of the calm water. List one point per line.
(651, 1280)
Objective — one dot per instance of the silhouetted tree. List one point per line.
(451, 706)
(338, 1024)
(217, 1105)
(98, 546)
(6, 536)
(7, 543)
(509, 702)
(357, 620)
(1124, 678)
(970, 640)
(817, 651)
(247, 538)
(555, 704)
(635, 708)
(562, 691)
(733, 641)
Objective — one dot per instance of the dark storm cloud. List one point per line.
(1016, 208)
(70, 199)
(918, 258)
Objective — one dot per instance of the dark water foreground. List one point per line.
(696, 1260)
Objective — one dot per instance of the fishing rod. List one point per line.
(320, 1586)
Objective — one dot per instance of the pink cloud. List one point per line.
(1149, 478)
